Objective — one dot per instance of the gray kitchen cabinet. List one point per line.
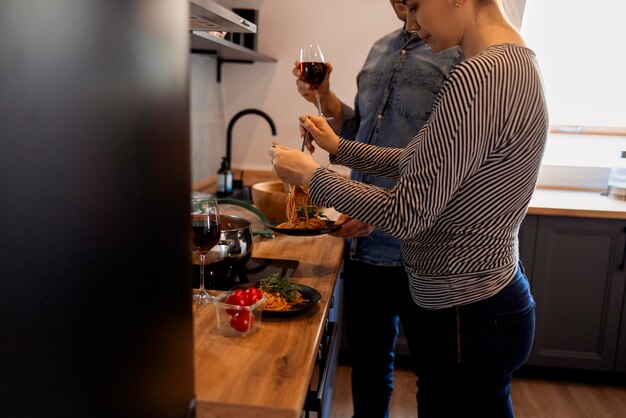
(575, 267)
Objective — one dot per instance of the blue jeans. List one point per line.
(467, 354)
(376, 298)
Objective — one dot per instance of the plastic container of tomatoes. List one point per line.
(239, 312)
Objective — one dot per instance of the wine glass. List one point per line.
(205, 234)
(313, 69)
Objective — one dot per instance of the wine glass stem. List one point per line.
(319, 106)
(202, 272)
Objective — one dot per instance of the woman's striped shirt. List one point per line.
(464, 181)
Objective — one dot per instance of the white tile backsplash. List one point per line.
(208, 127)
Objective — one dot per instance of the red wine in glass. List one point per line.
(313, 73)
(313, 69)
(205, 234)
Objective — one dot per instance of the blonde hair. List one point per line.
(513, 11)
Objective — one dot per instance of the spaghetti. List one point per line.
(276, 302)
(301, 214)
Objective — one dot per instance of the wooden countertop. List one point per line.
(550, 202)
(580, 204)
(267, 374)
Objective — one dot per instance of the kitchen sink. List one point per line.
(242, 194)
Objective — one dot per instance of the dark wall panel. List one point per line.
(95, 315)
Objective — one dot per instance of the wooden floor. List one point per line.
(532, 398)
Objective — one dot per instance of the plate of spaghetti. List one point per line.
(276, 306)
(303, 218)
(322, 227)
(284, 298)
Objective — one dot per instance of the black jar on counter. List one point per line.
(224, 179)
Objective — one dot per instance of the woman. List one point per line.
(387, 114)
(464, 183)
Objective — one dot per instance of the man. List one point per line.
(397, 87)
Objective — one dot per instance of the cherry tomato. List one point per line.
(242, 321)
(254, 295)
(239, 299)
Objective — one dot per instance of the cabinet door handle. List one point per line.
(623, 263)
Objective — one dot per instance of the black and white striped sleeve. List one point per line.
(371, 159)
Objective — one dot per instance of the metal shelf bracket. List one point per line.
(220, 61)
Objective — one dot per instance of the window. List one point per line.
(580, 49)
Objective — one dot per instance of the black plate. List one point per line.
(330, 227)
(313, 297)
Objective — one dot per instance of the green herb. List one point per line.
(281, 285)
(312, 212)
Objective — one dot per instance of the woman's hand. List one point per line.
(320, 131)
(292, 166)
(352, 228)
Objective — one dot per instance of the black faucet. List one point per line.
(234, 119)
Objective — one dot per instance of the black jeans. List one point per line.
(467, 354)
(376, 298)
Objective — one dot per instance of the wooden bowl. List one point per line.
(270, 198)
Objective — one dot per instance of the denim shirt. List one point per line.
(396, 89)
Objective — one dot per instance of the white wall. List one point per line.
(580, 51)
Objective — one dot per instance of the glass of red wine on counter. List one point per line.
(313, 69)
(205, 234)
